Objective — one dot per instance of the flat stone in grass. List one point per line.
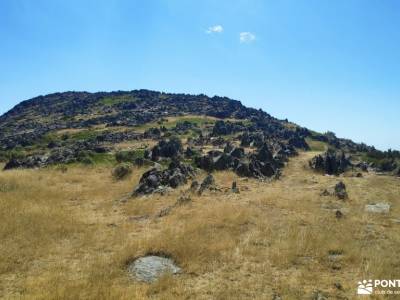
(378, 208)
(150, 268)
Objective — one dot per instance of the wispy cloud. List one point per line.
(215, 29)
(246, 37)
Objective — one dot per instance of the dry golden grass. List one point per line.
(67, 236)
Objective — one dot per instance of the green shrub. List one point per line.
(122, 171)
(129, 156)
(85, 157)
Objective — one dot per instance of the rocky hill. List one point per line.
(78, 126)
(29, 121)
(147, 195)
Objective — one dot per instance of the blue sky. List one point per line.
(326, 65)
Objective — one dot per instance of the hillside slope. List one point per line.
(71, 237)
(83, 127)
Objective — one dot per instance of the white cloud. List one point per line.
(215, 29)
(246, 37)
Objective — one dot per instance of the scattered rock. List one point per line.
(243, 169)
(378, 208)
(338, 285)
(207, 184)
(363, 166)
(257, 169)
(319, 295)
(234, 188)
(150, 268)
(276, 297)
(338, 214)
(262, 164)
(340, 191)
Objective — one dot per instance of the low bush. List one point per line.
(122, 171)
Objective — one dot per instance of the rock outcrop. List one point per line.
(158, 180)
(167, 148)
(331, 162)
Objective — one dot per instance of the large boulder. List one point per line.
(228, 147)
(261, 169)
(243, 169)
(223, 162)
(167, 148)
(257, 169)
(237, 153)
(340, 190)
(205, 162)
(214, 160)
(264, 154)
(149, 182)
(156, 179)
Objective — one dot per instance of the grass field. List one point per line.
(66, 235)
